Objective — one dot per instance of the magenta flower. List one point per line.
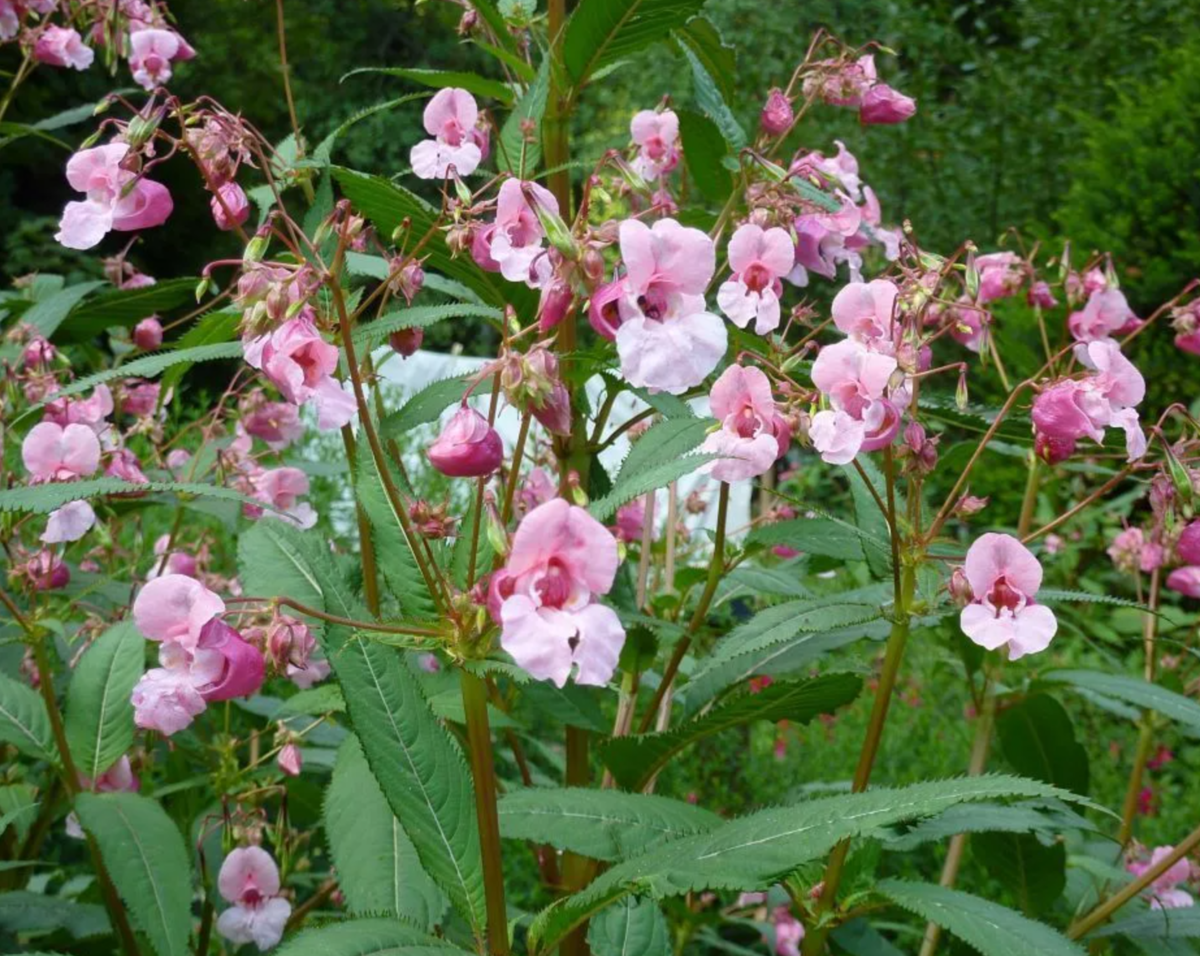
(657, 139)
(148, 334)
(604, 309)
(276, 423)
(631, 518)
(1185, 580)
(175, 608)
(468, 446)
(759, 259)
(60, 46)
(777, 115)
(1188, 545)
(249, 880)
(1004, 576)
(54, 453)
(752, 436)
(514, 240)
(1000, 275)
(300, 363)
(860, 418)
(116, 198)
(69, 523)
(224, 665)
(867, 310)
(1106, 314)
(450, 119)
(544, 597)
(235, 202)
(1164, 893)
(667, 341)
(881, 104)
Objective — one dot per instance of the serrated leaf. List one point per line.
(324, 151)
(630, 928)
(824, 536)
(868, 516)
(23, 721)
(441, 79)
(1046, 817)
(600, 824)
(48, 314)
(663, 442)
(428, 404)
(22, 911)
(756, 851)
(1034, 873)
(378, 868)
(42, 499)
(99, 721)
(713, 70)
(420, 317)
(704, 151)
(634, 760)
(1056, 596)
(648, 479)
(144, 853)
(600, 32)
(991, 929)
(366, 937)
(1156, 924)
(322, 699)
(1038, 739)
(1135, 691)
(516, 155)
(571, 704)
(124, 307)
(272, 562)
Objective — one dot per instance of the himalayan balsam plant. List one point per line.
(432, 719)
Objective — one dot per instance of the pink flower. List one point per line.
(843, 84)
(151, 53)
(91, 412)
(657, 138)
(175, 608)
(759, 259)
(40, 351)
(300, 363)
(1106, 314)
(777, 115)
(406, 342)
(1188, 342)
(867, 310)
(537, 489)
(468, 446)
(118, 778)
(604, 309)
(235, 201)
(543, 597)
(1185, 580)
(860, 418)
(882, 104)
(116, 198)
(249, 880)
(1130, 551)
(46, 572)
(69, 523)
(54, 453)
(139, 398)
(450, 119)
(290, 760)
(751, 432)
(631, 518)
(1041, 295)
(276, 423)
(1188, 545)
(166, 700)
(1164, 892)
(282, 487)
(124, 464)
(148, 334)
(224, 665)
(515, 238)
(177, 562)
(667, 341)
(789, 932)
(1004, 576)
(59, 46)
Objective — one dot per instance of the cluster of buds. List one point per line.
(408, 279)
(531, 381)
(432, 521)
(918, 451)
(270, 293)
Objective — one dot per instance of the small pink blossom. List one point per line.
(789, 932)
(177, 562)
(855, 380)
(515, 239)
(1188, 545)
(119, 778)
(151, 53)
(657, 139)
(536, 489)
(148, 334)
(175, 608)
(631, 519)
(544, 597)
(69, 523)
(1185, 580)
(882, 104)
(91, 411)
(166, 700)
(1164, 893)
(235, 201)
(124, 465)
(1000, 275)
(282, 488)
(60, 46)
(759, 259)
(1005, 576)
(867, 310)
(1105, 315)
(290, 760)
(138, 397)
(54, 453)
(1041, 295)
(46, 571)
(468, 446)
(1131, 551)
(777, 115)
(300, 363)
(116, 198)
(604, 309)
(249, 880)
(450, 119)
(276, 423)
(752, 435)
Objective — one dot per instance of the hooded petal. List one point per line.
(248, 870)
(175, 607)
(671, 356)
(992, 556)
(984, 628)
(837, 436)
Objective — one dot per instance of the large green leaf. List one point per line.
(1036, 874)
(25, 912)
(1033, 816)
(600, 32)
(145, 856)
(630, 928)
(124, 307)
(99, 720)
(705, 151)
(23, 721)
(440, 79)
(420, 317)
(634, 760)
(1156, 924)
(516, 155)
(663, 442)
(1038, 739)
(377, 865)
(48, 314)
(1135, 691)
(824, 536)
(601, 824)
(991, 929)
(871, 520)
(756, 851)
(645, 480)
(42, 499)
(272, 562)
(366, 937)
(428, 404)
(571, 704)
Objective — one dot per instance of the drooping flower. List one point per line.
(866, 310)
(232, 208)
(545, 596)
(69, 523)
(1000, 275)
(1004, 577)
(759, 259)
(450, 118)
(116, 198)
(1106, 314)
(861, 417)
(657, 138)
(54, 453)
(752, 435)
(125, 465)
(276, 423)
(175, 608)
(1185, 580)
(777, 114)
(148, 334)
(468, 446)
(882, 104)
(667, 341)
(1164, 893)
(249, 881)
(61, 46)
(514, 241)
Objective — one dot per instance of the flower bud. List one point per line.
(968, 505)
(406, 342)
(468, 446)
(556, 229)
(777, 115)
(555, 305)
(960, 588)
(593, 264)
(289, 760)
(468, 21)
(231, 209)
(1188, 546)
(148, 334)
(1053, 450)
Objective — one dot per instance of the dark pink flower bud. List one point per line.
(234, 211)
(969, 505)
(406, 342)
(148, 334)
(139, 398)
(39, 352)
(238, 667)
(1051, 450)
(1041, 296)
(777, 115)
(1186, 581)
(883, 105)
(47, 572)
(1188, 546)
(555, 305)
(290, 760)
(555, 411)
(409, 281)
(468, 446)
(603, 311)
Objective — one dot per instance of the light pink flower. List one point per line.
(749, 436)
(1164, 893)
(468, 446)
(450, 119)
(290, 760)
(235, 201)
(124, 464)
(166, 700)
(1185, 580)
(175, 607)
(968, 324)
(543, 597)
(300, 363)
(1000, 275)
(515, 239)
(138, 397)
(59, 46)
(836, 171)
(69, 523)
(867, 310)
(282, 487)
(860, 417)
(91, 411)
(249, 880)
(1004, 576)
(54, 453)
(1106, 314)
(1130, 551)
(759, 259)
(667, 341)
(657, 138)
(631, 518)
(789, 932)
(882, 104)
(119, 778)
(151, 53)
(842, 84)
(177, 562)
(536, 489)
(112, 203)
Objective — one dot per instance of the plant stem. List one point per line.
(577, 870)
(366, 544)
(1146, 732)
(514, 473)
(479, 740)
(283, 65)
(410, 630)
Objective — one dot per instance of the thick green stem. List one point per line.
(479, 741)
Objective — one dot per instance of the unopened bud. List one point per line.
(777, 115)
(406, 342)
(960, 588)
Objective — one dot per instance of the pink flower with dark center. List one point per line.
(667, 341)
(249, 880)
(1164, 893)
(860, 417)
(59, 46)
(867, 310)
(69, 523)
(175, 608)
(750, 433)
(657, 139)
(232, 209)
(1005, 576)
(300, 363)
(151, 53)
(759, 259)
(515, 240)
(450, 119)
(468, 446)
(116, 198)
(54, 453)
(544, 597)
(1105, 315)
(883, 105)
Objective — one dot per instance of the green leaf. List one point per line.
(12, 131)
(47, 315)
(516, 155)
(18, 808)
(440, 79)
(377, 865)
(144, 853)
(600, 32)
(322, 699)
(571, 704)
(1135, 691)
(645, 480)
(99, 722)
(23, 721)
(25, 912)
(630, 928)
(1034, 873)
(324, 151)
(1038, 739)
(366, 937)
(714, 67)
(1045, 817)
(663, 442)
(124, 307)
(634, 760)
(420, 317)
(600, 824)
(991, 929)
(1153, 924)
(824, 536)
(757, 851)
(272, 562)
(704, 151)
(872, 521)
(428, 404)
(42, 499)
